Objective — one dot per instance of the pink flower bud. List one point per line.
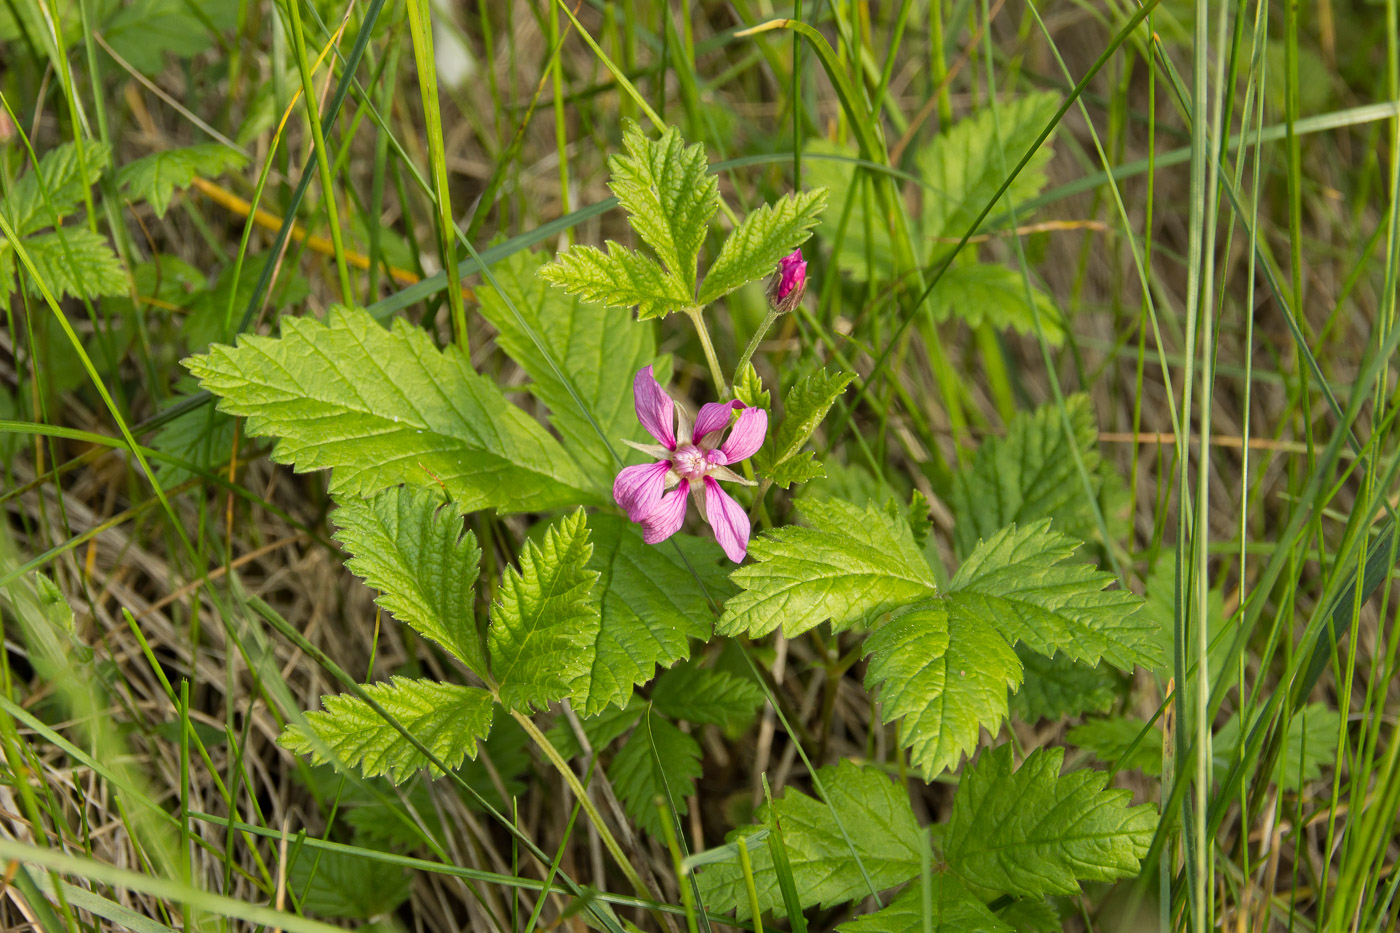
(789, 283)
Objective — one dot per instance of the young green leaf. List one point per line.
(447, 719)
(656, 748)
(985, 293)
(669, 194)
(338, 883)
(955, 910)
(544, 618)
(1057, 687)
(75, 261)
(1018, 578)
(1112, 739)
(875, 812)
(946, 670)
(804, 407)
(649, 606)
(707, 695)
(848, 565)
(766, 235)
(748, 388)
(598, 352)
(1032, 831)
(58, 183)
(618, 278)
(411, 548)
(384, 407)
(155, 177)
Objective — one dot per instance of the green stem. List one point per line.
(717, 374)
(757, 338)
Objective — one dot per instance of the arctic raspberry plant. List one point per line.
(616, 623)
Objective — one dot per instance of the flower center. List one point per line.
(689, 462)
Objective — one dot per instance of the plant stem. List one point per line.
(758, 336)
(716, 373)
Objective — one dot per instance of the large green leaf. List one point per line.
(984, 293)
(155, 177)
(763, 237)
(544, 618)
(75, 261)
(1111, 740)
(64, 172)
(341, 884)
(1031, 831)
(1056, 687)
(954, 910)
(447, 719)
(1018, 578)
(707, 695)
(656, 756)
(414, 551)
(946, 670)
(847, 565)
(618, 278)
(144, 31)
(599, 353)
(384, 407)
(875, 813)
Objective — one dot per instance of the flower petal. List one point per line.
(666, 515)
(728, 520)
(638, 488)
(746, 436)
(714, 416)
(655, 410)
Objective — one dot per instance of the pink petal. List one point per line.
(728, 520)
(655, 410)
(714, 416)
(638, 488)
(746, 436)
(666, 515)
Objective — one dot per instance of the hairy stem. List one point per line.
(757, 338)
(697, 316)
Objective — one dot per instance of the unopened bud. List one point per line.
(789, 283)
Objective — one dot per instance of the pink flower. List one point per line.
(789, 283)
(690, 459)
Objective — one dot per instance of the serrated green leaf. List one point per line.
(618, 278)
(1110, 740)
(389, 823)
(63, 174)
(544, 618)
(748, 388)
(984, 293)
(1017, 577)
(655, 748)
(409, 546)
(802, 468)
(1310, 744)
(946, 670)
(144, 31)
(847, 565)
(447, 719)
(706, 695)
(155, 177)
(339, 884)
(1031, 915)
(966, 165)
(955, 910)
(1056, 687)
(669, 195)
(213, 320)
(1029, 474)
(649, 606)
(804, 406)
(1032, 831)
(600, 729)
(384, 407)
(599, 352)
(74, 261)
(875, 812)
(766, 235)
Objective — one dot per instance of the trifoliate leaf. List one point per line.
(411, 548)
(155, 177)
(946, 670)
(984, 293)
(649, 606)
(1030, 474)
(599, 353)
(544, 618)
(804, 407)
(43, 197)
(954, 910)
(875, 812)
(1056, 687)
(766, 235)
(74, 261)
(1112, 742)
(707, 695)
(385, 407)
(618, 278)
(657, 755)
(669, 195)
(447, 719)
(1032, 831)
(1017, 577)
(341, 884)
(847, 565)
(966, 165)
